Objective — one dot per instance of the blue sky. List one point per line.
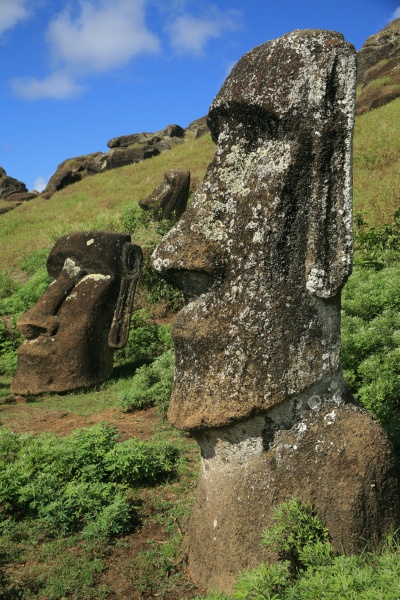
(76, 73)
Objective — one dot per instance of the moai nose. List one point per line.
(42, 318)
(32, 324)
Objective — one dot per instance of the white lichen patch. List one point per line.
(71, 267)
(93, 277)
(209, 222)
(71, 296)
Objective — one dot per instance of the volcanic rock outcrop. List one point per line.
(9, 185)
(124, 150)
(378, 69)
(170, 197)
(263, 252)
(13, 191)
(83, 315)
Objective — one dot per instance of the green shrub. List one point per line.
(135, 462)
(80, 482)
(377, 246)
(294, 527)
(34, 261)
(371, 342)
(7, 285)
(265, 582)
(25, 295)
(151, 385)
(146, 339)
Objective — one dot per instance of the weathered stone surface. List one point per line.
(71, 171)
(198, 127)
(170, 196)
(119, 157)
(124, 150)
(263, 252)
(83, 315)
(146, 138)
(378, 69)
(21, 197)
(9, 185)
(332, 455)
(266, 244)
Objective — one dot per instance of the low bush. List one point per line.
(151, 385)
(313, 571)
(146, 340)
(80, 482)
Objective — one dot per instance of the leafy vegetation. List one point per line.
(311, 569)
(77, 483)
(151, 385)
(371, 324)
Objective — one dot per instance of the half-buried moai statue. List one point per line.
(263, 252)
(82, 317)
(170, 197)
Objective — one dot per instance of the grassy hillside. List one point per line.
(377, 163)
(97, 202)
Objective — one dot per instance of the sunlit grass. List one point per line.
(95, 202)
(377, 163)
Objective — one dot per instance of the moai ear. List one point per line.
(330, 232)
(132, 260)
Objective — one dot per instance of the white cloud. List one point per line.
(191, 34)
(106, 34)
(103, 35)
(57, 86)
(396, 14)
(40, 184)
(11, 12)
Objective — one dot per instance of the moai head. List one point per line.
(83, 315)
(266, 246)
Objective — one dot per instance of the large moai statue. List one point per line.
(82, 317)
(262, 253)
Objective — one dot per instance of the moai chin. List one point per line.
(263, 252)
(82, 317)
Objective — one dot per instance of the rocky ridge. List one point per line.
(378, 69)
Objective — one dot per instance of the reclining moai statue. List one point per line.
(263, 252)
(170, 197)
(83, 315)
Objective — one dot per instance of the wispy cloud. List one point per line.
(396, 14)
(104, 35)
(190, 34)
(58, 86)
(12, 12)
(40, 184)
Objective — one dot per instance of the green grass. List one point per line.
(95, 202)
(377, 163)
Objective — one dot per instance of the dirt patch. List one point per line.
(23, 417)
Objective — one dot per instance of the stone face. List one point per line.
(170, 196)
(378, 74)
(262, 253)
(266, 245)
(83, 315)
